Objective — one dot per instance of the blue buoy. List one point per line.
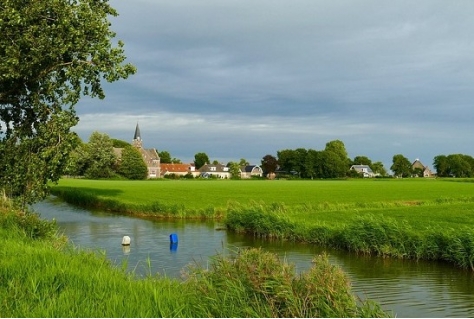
(173, 247)
(174, 238)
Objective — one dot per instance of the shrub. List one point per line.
(257, 284)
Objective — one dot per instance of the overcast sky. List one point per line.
(243, 79)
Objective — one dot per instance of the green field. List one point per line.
(422, 201)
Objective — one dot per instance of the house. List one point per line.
(150, 155)
(248, 171)
(417, 165)
(216, 170)
(365, 170)
(175, 169)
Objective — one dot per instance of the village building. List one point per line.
(167, 169)
(365, 170)
(150, 155)
(215, 170)
(424, 169)
(249, 171)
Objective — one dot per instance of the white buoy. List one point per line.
(126, 241)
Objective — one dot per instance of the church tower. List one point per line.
(137, 138)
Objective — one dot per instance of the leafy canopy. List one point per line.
(52, 52)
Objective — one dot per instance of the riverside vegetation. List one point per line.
(410, 218)
(41, 275)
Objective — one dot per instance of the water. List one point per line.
(407, 288)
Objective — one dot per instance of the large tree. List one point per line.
(100, 157)
(131, 164)
(52, 53)
(401, 166)
(269, 164)
(200, 159)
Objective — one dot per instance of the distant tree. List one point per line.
(314, 164)
(100, 156)
(119, 143)
(401, 166)
(441, 165)
(234, 169)
(293, 161)
(215, 162)
(459, 165)
(339, 149)
(132, 165)
(362, 160)
(333, 164)
(378, 168)
(243, 162)
(175, 160)
(165, 157)
(269, 164)
(200, 159)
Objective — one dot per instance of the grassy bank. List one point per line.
(410, 218)
(42, 276)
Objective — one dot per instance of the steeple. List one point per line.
(137, 139)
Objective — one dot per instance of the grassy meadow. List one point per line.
(415, 218)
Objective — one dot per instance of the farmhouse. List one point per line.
(417, 165)
(217, 170)
(176, 169)
(248, 171)
(365, 170)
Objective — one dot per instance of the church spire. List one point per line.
(137, 138)
(137, 135)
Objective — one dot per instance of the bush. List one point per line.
(257, 284)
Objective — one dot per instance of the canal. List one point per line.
(406, 288)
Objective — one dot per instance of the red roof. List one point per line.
(174, 168)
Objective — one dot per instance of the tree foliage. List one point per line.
(401, 166)
(52, 53)
(132, 165)
(100, 157)
(269, 164)
(234, 169)
(165, 157)
(454, 165)
(200, 159)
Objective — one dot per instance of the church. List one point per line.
(150, 155)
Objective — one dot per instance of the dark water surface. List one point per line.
(407, 288)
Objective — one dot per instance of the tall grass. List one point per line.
(257, 284)
(89, 199)
(369, 234)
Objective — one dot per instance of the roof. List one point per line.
(360, 168)
(248, 168)
(174, 168)
(215, 168)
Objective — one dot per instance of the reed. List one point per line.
(256, 283)
(369, 234)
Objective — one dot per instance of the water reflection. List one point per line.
(408, 288)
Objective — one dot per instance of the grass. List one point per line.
(42, 276)
(217, 193)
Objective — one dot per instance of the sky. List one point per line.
(242, 79)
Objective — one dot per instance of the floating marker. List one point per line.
(173, 247)
(174, 238)
(126, 241)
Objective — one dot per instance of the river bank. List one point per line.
(43, 276)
